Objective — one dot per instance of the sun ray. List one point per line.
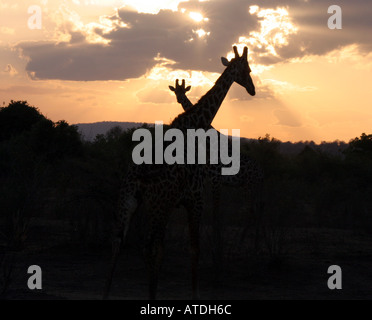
(196, 16)
(275, 28)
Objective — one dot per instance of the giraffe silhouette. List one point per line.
(164, 187)
(250, 177)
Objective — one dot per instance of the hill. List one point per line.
(90, 130)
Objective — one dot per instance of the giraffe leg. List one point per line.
(259, 212)
(154, 257)
(253, 194)
(217, 229)
(194, 214)
(255, 190)
(250, 214)
(126, 210)
(116, 244)
(256, 219)
(153, 250)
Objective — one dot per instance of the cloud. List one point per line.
(282, 87)
(8, 6)
(6, 30)
(150, 95)
(314, 37)
(287, 118)
(131, 50)
(276, 31)
(9, 69)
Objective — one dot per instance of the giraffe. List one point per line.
(250, 177)
(180, 92)
(164, 187)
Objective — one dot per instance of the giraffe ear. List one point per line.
(188, 88)
(224, 61)
(172, 88)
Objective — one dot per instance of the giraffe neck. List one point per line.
(209, 104)
(202, 113)
(184, 101)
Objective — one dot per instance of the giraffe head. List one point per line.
(241, 70)
(180, 90)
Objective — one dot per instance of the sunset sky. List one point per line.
(112, 60)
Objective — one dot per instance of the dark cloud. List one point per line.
(85, 61)
(132, 49)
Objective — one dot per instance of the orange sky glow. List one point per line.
(312, 83)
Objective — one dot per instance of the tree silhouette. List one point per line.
(16, 118)
(362, 145)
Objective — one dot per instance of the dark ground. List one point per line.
(297, 270)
